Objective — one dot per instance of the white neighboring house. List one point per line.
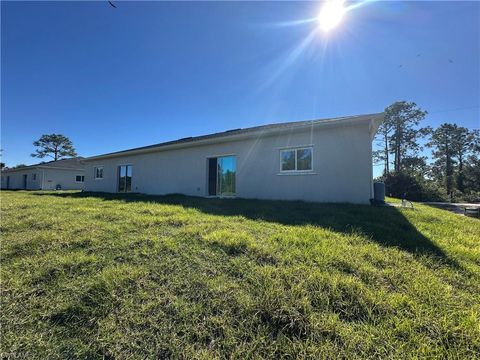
(326, 160)
(66, 174)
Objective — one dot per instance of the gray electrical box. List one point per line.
(379, 192)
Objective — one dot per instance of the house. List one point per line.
(66, 174)
(326, 160)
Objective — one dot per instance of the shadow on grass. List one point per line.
(385, 225)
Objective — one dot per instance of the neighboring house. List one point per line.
(66, 174)
(320, 160)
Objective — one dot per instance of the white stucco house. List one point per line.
(327, 160)
(66, 174)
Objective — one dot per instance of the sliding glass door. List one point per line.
(227, 169)
(125, 178)
(222, 173)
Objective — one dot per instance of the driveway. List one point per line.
(458, 208)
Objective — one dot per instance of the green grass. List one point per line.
(134, 277)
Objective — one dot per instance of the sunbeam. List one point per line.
(331, 15)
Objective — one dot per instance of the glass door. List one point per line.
(227, 170)
(125, 178)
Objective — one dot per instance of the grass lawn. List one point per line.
(119, 277)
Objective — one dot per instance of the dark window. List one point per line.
(304, 159)
(296, 160)
(288, 160)
(80, 178)
(98, 172)
(125, 178)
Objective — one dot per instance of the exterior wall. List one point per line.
(62, 177)
(47, 179)
(342, 167)
(16, 179)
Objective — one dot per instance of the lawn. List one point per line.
(134, 277)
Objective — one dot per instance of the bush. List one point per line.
(469, 197)
(402, 185)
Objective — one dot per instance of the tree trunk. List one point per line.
(448, 170)
(397, 148)
(387, 166)
(460, 174)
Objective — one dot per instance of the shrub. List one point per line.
(413, 188)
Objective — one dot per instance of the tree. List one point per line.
(443, 141)
(461, 145)
(402, 119)
(415, 166)
(55, 146)
(381, 155)
(2, 165)
(472, 166)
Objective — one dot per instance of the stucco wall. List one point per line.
(47, 179)
(65, 178)
(342, 167)
(16, 179)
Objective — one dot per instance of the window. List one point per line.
(80, 178)
(98, 172)
(222, 176)
(34, 177)
(296, 160)
(125, 178)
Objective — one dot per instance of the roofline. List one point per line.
(31, 167)
(59, 168)
(20, 168)
(233, 135)
(45, 165)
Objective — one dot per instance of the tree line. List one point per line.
(452, 173)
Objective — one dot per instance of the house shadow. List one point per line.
(385, 225)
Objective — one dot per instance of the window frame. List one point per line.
(34, 177)
(95, 172)
(82, 177)
(131, 177)
(295, 149)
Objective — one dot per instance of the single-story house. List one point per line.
(327, 160)
(66, 174)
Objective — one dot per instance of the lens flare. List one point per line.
(331, 14)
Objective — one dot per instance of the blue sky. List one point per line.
(148, 72)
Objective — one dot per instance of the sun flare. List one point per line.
(331, 14)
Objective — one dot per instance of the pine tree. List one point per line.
(55, 146)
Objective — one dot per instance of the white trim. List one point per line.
(95, 172)
(295, 147)
(295, 171)
(80, 182)
(219, 156)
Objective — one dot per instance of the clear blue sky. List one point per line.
(147, 72)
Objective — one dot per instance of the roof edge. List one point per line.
(239, 134)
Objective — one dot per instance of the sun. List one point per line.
(331, 14)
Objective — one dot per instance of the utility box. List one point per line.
(379, 192)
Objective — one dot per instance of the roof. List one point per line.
(247, 132)
(66, 164)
